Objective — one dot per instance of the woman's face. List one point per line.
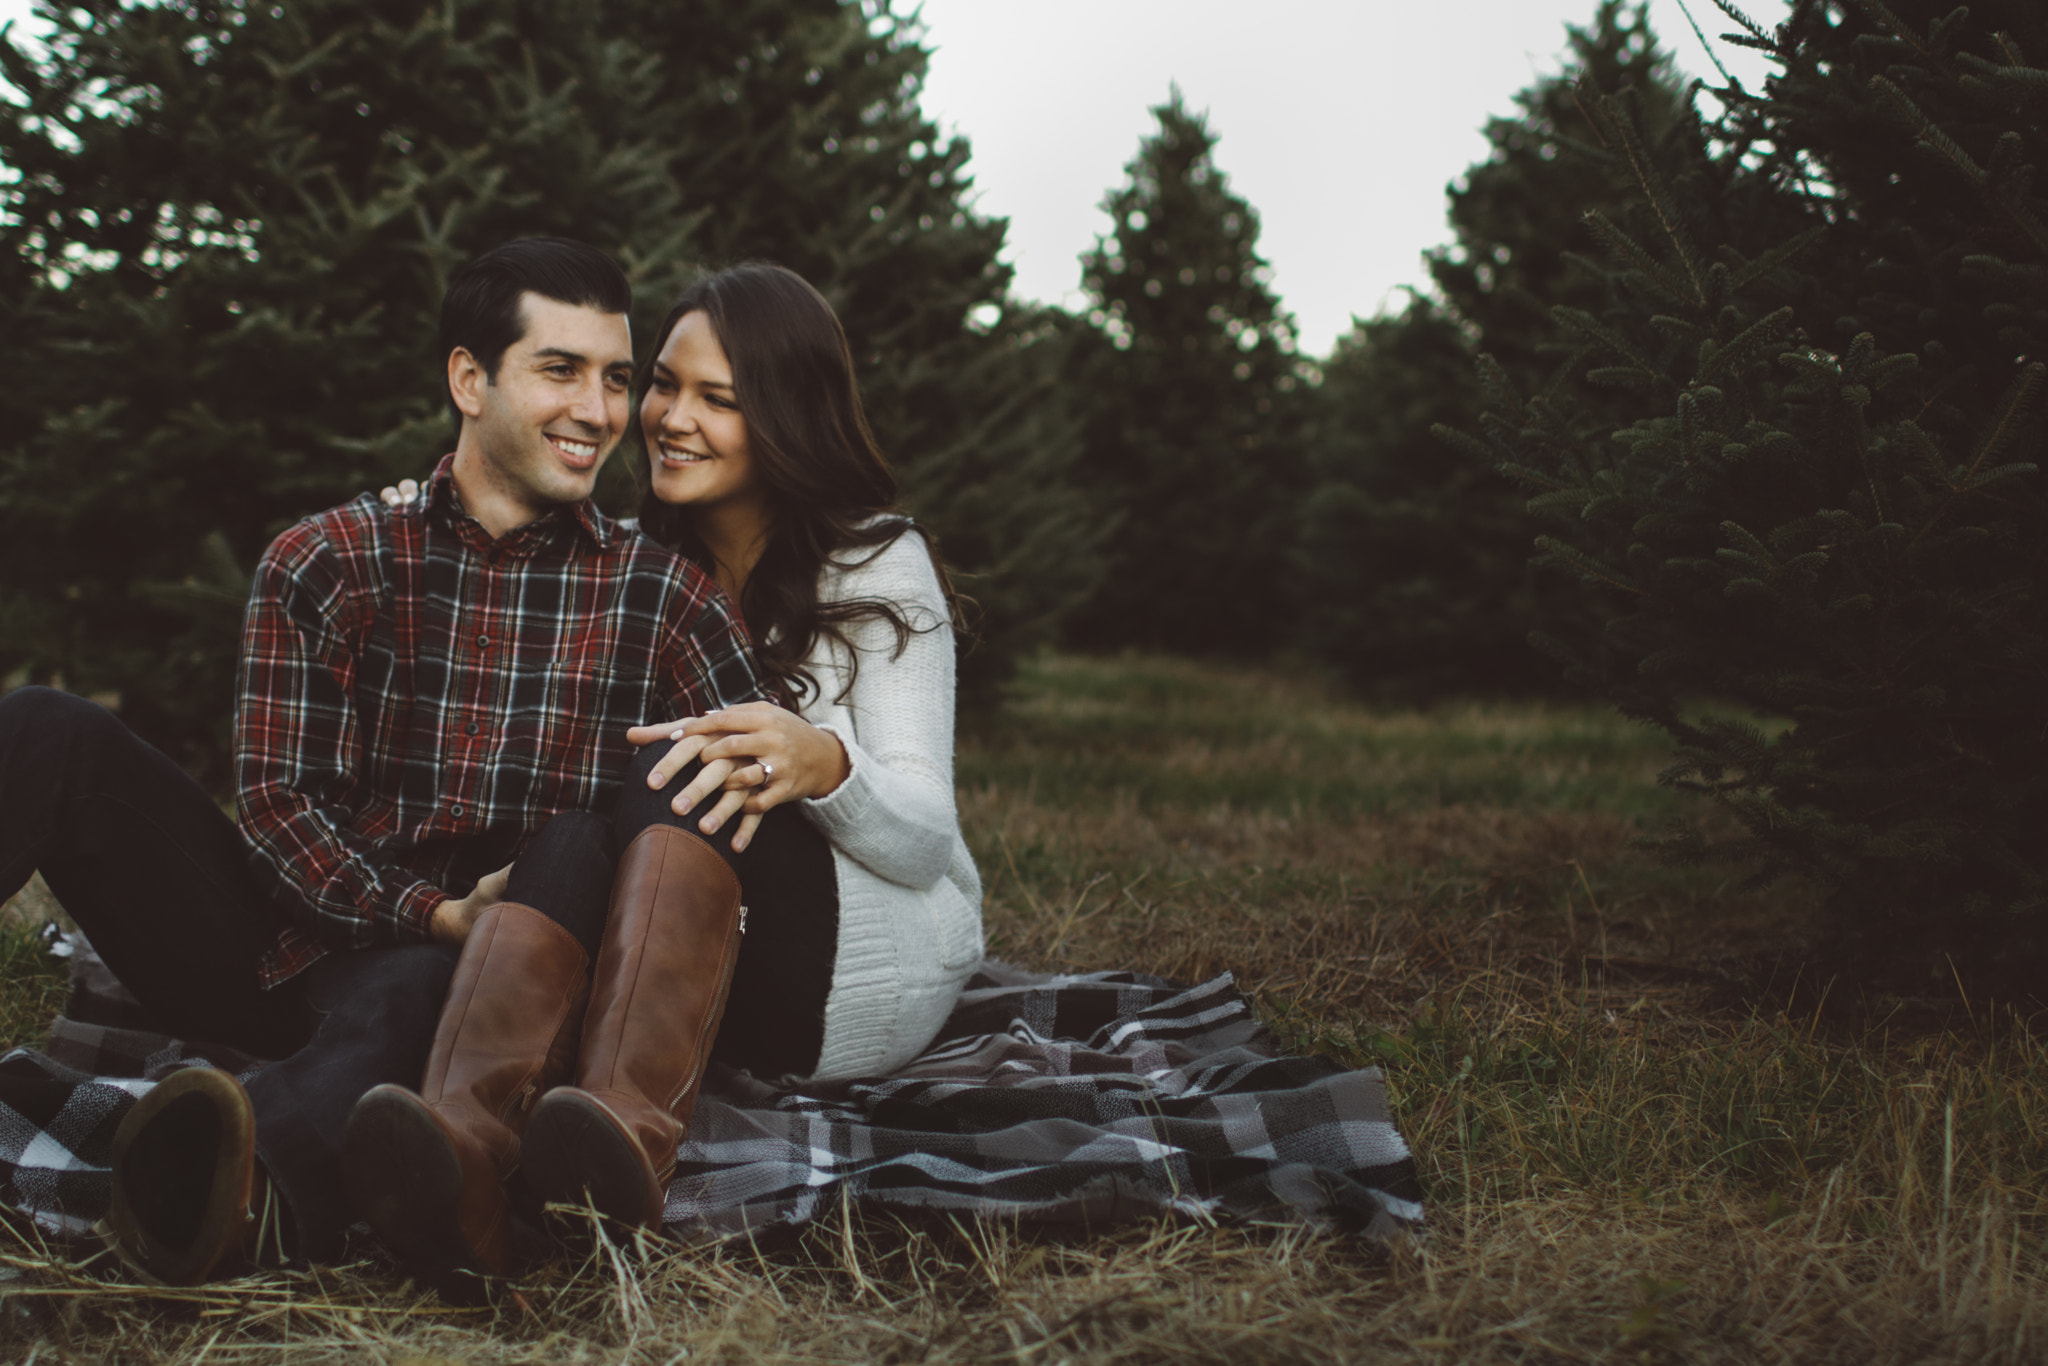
(696, 439)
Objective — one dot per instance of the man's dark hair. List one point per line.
(481, 311)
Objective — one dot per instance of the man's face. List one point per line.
(554, 414)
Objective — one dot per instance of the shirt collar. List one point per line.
(442, 498)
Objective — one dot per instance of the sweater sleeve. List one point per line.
(895, 812)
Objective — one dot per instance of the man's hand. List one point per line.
(453, 917)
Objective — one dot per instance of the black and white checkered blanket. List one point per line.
(1070, 1099)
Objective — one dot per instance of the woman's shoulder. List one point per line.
(899, 568)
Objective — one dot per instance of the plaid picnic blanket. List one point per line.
(1088, 1098)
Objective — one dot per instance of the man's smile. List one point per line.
(577, 454)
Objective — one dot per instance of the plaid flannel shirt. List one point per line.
(411, 690)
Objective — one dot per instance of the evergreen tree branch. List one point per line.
(1903, 31)
(1746, 343)
(1590, 327)
(1587, 567)
(1728, 8)
(1929, 133)
(1625, 131)
(1712, 56)
(1632, 251)
(1778, 256)
(2018, 399)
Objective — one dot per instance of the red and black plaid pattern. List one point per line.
(410, 687)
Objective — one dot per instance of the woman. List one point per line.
(762, 470)
(861, 914)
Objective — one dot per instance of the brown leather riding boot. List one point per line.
(657, 994)
(427, 1169)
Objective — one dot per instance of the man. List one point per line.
(422, 690)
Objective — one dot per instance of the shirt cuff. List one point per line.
(414, 919)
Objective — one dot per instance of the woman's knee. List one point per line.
(640, 805)
(572, 835)
(641, 767)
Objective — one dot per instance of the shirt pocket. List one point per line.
(556, 717)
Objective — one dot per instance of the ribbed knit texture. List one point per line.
(909, 895)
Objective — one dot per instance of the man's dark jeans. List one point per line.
(161, 882)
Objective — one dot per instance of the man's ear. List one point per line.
(466, 381)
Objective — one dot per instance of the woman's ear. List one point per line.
(466, 381)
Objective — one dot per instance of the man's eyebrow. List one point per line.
(549, 353)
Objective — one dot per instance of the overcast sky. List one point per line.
(1340, 120)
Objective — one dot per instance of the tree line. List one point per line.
(1721, 405)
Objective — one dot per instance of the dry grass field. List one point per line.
(1644, 1138)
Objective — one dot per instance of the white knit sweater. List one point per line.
(909, 895)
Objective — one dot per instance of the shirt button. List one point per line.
(455, 810)
(471, 729)
(482, 642)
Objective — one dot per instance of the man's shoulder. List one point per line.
(334, 539)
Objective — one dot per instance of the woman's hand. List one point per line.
(768, 756)
(407, 490)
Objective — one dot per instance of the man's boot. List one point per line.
(427, 1169)
(656, 998)
(190, 1201)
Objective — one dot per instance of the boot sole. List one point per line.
(576, 1154)
(182, 1238)
(406, 1181)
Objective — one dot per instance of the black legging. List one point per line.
(160, 881)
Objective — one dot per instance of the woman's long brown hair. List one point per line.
(831, 494)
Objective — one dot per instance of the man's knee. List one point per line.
(55, 715)
(403, 986)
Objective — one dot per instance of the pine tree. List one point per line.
(229, 226)
(1415, 553)
(1413, 558)
(1190, 429)
(1828, 507)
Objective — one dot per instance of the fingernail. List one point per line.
(675, 735)
(654, 779)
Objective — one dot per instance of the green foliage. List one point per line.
(1416, 553)
(1190, 435)
(33, 985)
(1826, 506)
(226, 231)
(1147, 733)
